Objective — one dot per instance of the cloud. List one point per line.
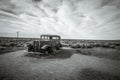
(83, 19)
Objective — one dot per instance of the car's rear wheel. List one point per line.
(48, 50)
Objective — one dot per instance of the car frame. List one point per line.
(46, 44)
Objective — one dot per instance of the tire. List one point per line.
(30, 48)
(50, 50)
(46, 52)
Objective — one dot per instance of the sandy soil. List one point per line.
(67, 64)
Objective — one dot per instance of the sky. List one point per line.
(71, 19)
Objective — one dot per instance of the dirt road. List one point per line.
(67, 64)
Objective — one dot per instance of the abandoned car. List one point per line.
(47, 44)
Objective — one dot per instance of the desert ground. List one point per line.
(66, 64)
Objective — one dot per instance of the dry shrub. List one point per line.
(101, 52)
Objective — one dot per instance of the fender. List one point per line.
(44, 47)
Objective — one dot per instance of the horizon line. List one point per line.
(62, 38)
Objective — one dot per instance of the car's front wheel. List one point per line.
(48, 50)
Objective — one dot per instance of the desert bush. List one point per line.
(93, 44)
(5, 45)
(81, 46)
(101, 52)
(2, 48)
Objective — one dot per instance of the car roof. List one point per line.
(50, 35)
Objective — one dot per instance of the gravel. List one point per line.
(67, 64)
